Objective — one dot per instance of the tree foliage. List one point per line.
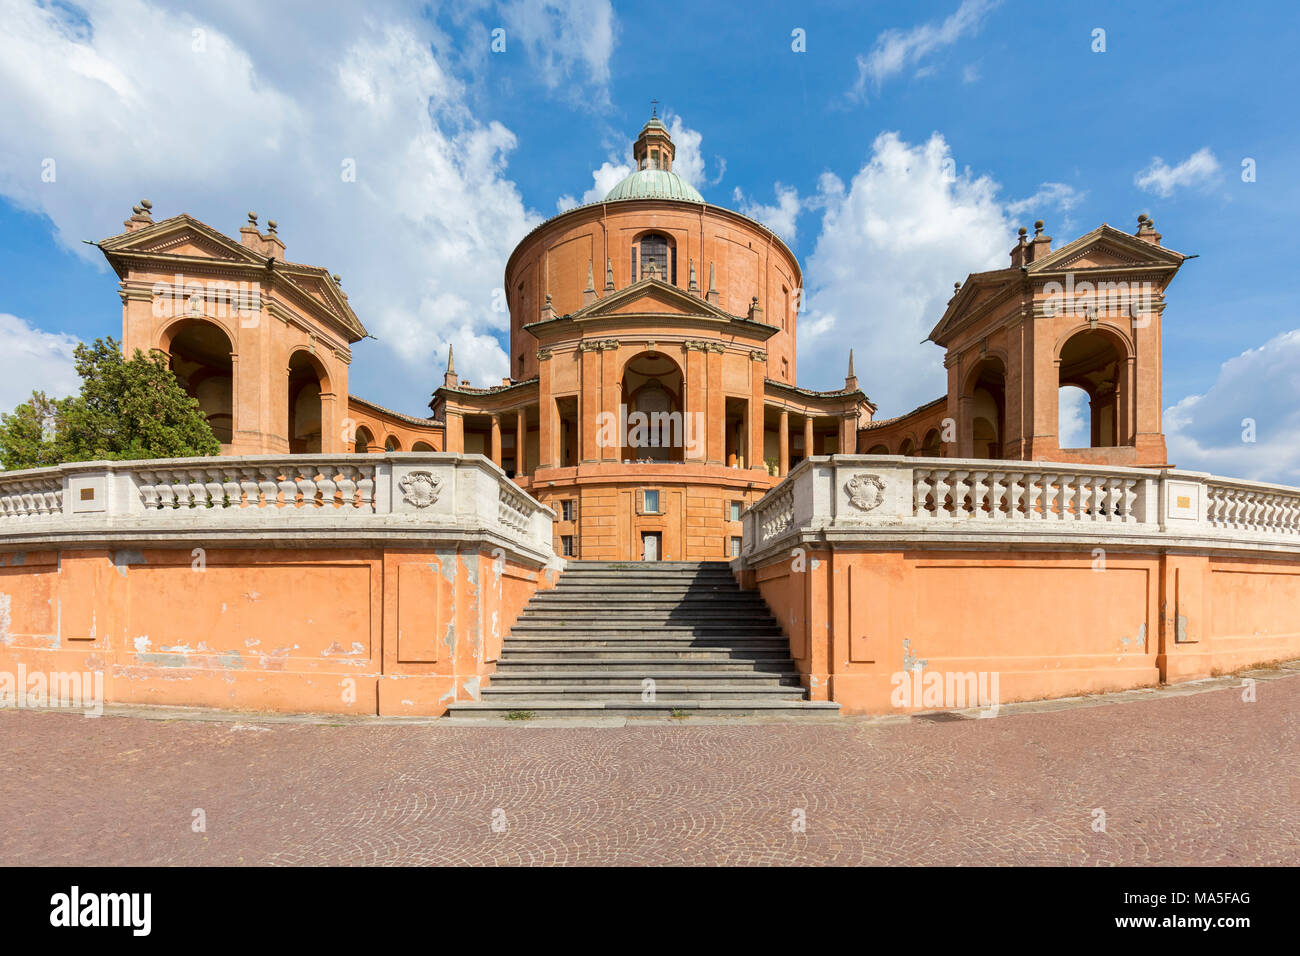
(128, 409)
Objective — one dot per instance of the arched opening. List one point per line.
(422, 446)
(878, 450)
(392, 444)
(1091, 361)
(655, 254)
(201, 359)
(652, 393)
(908, 447)
(305, 386)
(931, 447)
(987, 391)
(1073, 417)
(364, 439)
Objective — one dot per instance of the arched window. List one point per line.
(659, 254)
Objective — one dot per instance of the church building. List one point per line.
(652, 395)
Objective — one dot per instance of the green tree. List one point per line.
(128, 409)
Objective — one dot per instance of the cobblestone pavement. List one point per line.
(1202, 778)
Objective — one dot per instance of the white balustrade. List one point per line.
(861, 496)
(317, 494)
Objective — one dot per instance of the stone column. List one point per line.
(783, 456)
(454, 438)
(695, 401)
(610, 395)
(715, 417)
(548, 416)
(589, 403)
(758, 370)
(807, 436)
(521, 443)
(496, 440)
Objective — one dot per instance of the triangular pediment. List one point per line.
(651, 297)
(180, 236)
(1106, 248)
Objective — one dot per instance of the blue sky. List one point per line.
(214, 110)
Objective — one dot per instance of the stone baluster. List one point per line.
(327, 487)
(960, 488)
(306, 487)
(366, 487)
(288, 487)
(267, 486)
(347, 486)
(941, 492)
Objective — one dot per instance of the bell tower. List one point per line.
(654, 148)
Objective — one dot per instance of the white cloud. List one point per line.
(1050, 195)
(892, 243)
(564, 38)
(688, 158)
(895, 49)
(1261, 386)
(1199, 169)
(610, 174)
(128, 106)
(781, 218)
(31, 359)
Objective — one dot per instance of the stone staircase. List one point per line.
(586, 647)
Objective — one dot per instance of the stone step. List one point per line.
(640, 662)
(662, 676)
(607, 627)
(586, 647)
(648, 652)
(542, 709)
(673, 576)
(616, 693)
(644, 618)
(578, 566)
(608, 595)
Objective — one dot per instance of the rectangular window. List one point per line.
(736, 508)
(566, 510)
(735, 547)
(566, 545)
(650, 501)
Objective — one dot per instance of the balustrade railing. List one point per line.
(859, 495)
(434, 491)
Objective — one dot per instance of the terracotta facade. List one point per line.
(652, 390)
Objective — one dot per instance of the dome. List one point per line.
(654, 184)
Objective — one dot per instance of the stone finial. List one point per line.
(338, 279)
(1041, 245)
(956, 287)
(851, 375)
(1147, 229)
(449, 378)
(609, 275)
(140, 215)
(270, 226)
(755, 310)
(712, 295)
(252, 219)
(589, 293)
(1019, 253)
(851, 378)
(694, 285)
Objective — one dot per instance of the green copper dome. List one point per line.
(655, 184)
